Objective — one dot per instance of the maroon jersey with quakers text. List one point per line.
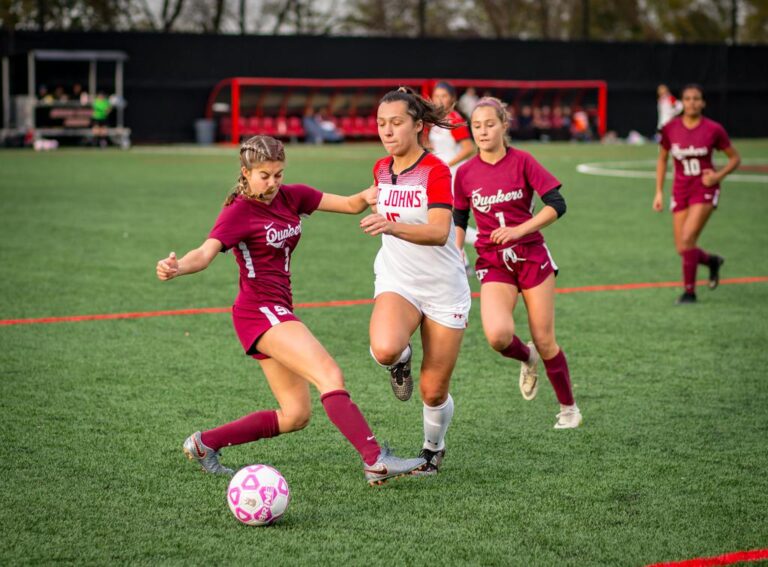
(263, 237)
(692, 149)
(501, 194)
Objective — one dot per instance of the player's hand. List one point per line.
(375, 224)
(168, 268)
(658, 202)
(371, 195)
(709, 178)
(505, 234)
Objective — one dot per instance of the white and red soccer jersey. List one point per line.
(263, 237)
(434, 274)
(446, 143)
(692, 149)
(668, 107)
(501, 194)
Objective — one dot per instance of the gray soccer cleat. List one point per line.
(529, 374)
(207, 458)
(401, 379)
(389, 466)
(434, 461)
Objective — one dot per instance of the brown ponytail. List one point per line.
(419, 108)
(255, 150)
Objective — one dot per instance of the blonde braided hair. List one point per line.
(255, 150)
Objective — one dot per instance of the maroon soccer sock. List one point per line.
(517, 350)
(258, 425)
(346, 416)
(557, 371)
(690, 264)
(702, 256)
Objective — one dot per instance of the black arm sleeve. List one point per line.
(554, 199)
(461, 218)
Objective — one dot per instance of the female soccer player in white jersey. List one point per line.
(498, 185)
(261, 223)
(420, 277)
(452, 145)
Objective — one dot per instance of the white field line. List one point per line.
(614, 169)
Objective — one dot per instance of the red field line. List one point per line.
(346, 303)
(727, 559)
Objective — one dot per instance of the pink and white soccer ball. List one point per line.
(258, 495)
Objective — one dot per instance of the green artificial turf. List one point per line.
(670, 462)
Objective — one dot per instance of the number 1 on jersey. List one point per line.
(287, 258)
(500, 216)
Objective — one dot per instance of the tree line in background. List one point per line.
(711, 21)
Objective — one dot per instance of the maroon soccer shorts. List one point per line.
(684, 197)
(523, 265)
(251, 324)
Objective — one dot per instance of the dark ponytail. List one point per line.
(419, 108)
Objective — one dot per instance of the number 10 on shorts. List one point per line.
(271, 317)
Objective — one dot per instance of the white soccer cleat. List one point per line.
(569, 418)
(529, 374)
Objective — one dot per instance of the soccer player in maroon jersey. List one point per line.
(261, 223)
(420, 278)
(690, 139)
(498, 186)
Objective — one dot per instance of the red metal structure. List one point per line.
(275, 106)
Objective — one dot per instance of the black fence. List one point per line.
(168, 76)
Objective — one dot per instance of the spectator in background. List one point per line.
(560, 131)
(467, 102)
(513, 124)
(525, 129)
(78, 94)
(580, 126)
(43, 95)
(59, 94)
(667, 105)
(101, 109)
(319, 129)
(542, 122)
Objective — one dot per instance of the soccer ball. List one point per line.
(258, 495)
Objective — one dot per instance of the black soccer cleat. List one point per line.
(434, 460)
(687, 298)
(715, 262)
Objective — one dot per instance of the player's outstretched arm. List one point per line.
(661, 176)
(193, 261)
(711, 177)
(434, 233)
(351, 205)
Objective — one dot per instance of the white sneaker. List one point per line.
(529, 374)
(569, 418)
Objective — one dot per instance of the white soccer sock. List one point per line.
(436, 422)
(470, 236)
(403, 356)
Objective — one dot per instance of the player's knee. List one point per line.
(687, 241)
(546, 346)
(499, 339)
(295, 419)
(433, 396)
(386, 353)
(328, 376)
